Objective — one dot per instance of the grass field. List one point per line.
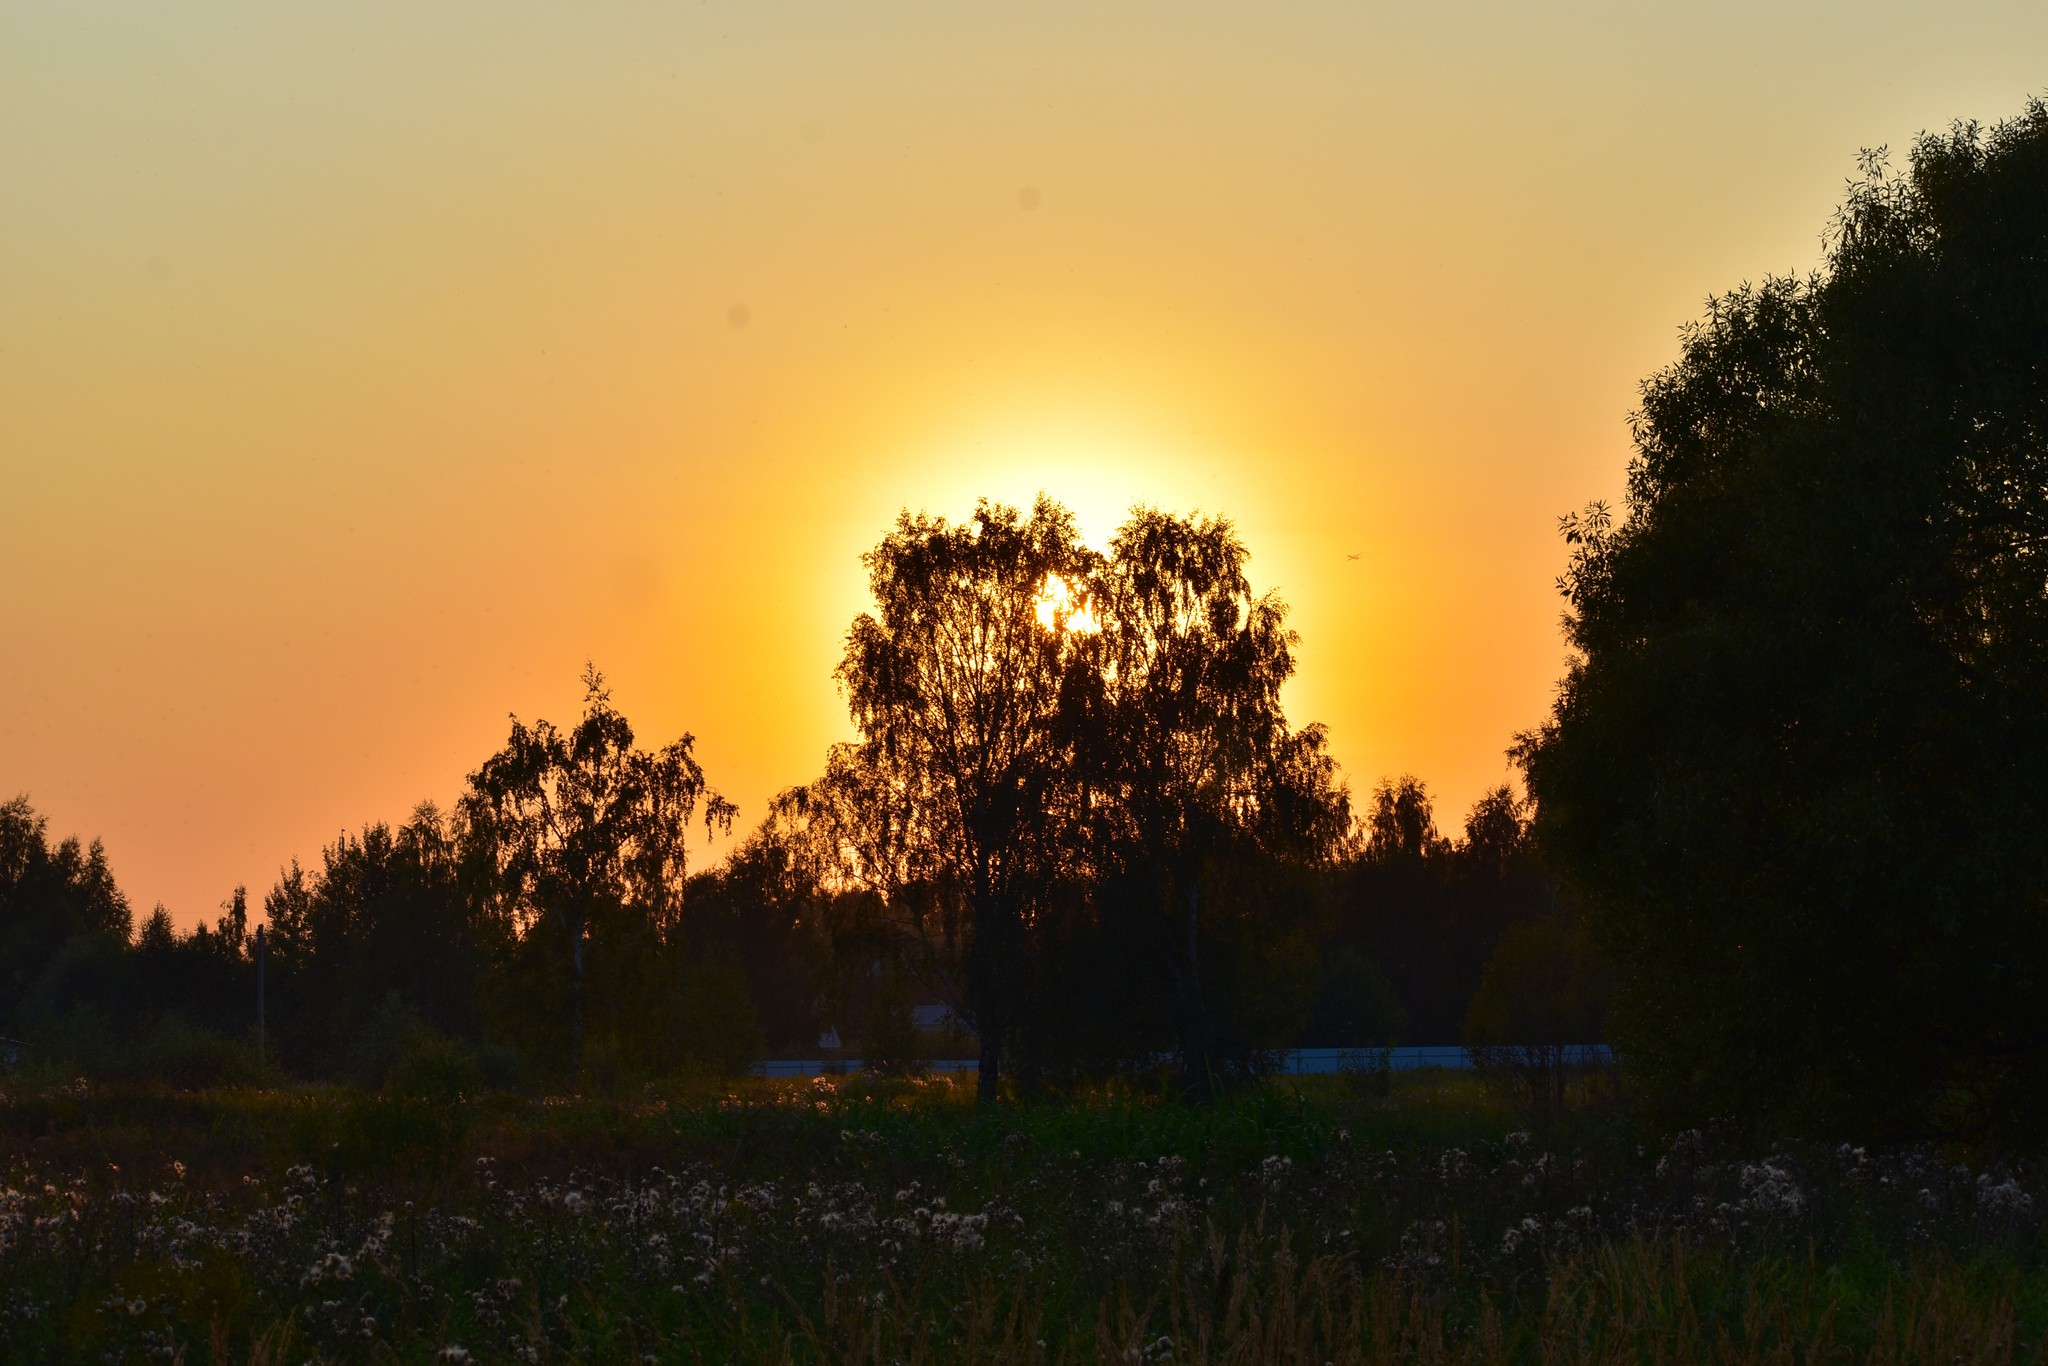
(868, 1220)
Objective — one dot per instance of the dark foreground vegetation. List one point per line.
(864, 1220)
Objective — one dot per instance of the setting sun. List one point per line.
(1057, 612)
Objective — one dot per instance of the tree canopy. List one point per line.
(1076, 792)
(1796, 770)
(581, 837)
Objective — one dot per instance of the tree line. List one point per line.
(1077, 821)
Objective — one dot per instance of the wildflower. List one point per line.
(453, 1355)
(136, 1307)
(1771, 1188)
(2005, 1200)
(332, 1267)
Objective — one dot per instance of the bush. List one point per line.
(890, 1042)
(172, 1052)
(1542, 992)
(188, 1057)
(433, 1068)
(78, 1044)
(721, 1031)
(1355, 1005)
(390, 1034)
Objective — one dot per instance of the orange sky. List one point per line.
(364, 371)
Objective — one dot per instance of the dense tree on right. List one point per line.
(1798, 771)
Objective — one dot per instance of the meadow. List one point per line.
(867, 1219)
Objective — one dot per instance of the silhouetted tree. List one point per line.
(763, 910)
(206, 978)
(1543, 993)
(955, 685)
(1429, 911)
(62, 920)
(1401, 827)
(580, 838)
(1077, 803)
(387, 917)
(1210, 817)
(1799, 770)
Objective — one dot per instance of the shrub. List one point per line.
(890, 1041)
(721, 1031)
(433, 1068)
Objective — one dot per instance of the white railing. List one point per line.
(1299, 1062)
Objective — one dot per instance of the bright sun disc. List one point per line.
(1056, 610)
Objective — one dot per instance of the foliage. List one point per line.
(1211, 816)
(582, 843)
(1354, 1005)
(865, 1220)
(1427, 911)
(1078, 820)
(956, 789)
(759, 911)
(388, 922)
(1542, 994)
(433, 1068)
(1077, 812)
(55, 903)
(721, 1031)
(1797, 770)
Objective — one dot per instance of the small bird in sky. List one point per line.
(1351, 557)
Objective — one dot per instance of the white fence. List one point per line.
(1299, 1062)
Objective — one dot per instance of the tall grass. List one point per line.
(877, 1221)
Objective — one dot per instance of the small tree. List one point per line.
(580, 835)
(1543, 993)
(721, 1030)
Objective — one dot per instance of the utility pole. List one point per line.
(260, 1051)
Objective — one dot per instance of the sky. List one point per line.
(365, 370)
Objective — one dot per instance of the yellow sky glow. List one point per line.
(364, 370)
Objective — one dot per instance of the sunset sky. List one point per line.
(365, 369)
